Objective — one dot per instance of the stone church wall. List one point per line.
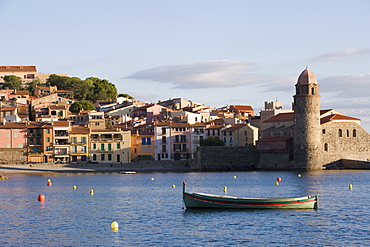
(353, 145)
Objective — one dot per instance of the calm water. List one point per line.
(149, 212)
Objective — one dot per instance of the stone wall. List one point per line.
(214, 158)
(274, 161)
(13, 156)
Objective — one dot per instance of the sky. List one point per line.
(216, 52)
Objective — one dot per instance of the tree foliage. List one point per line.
(78, 106)
(12, 82)
(90, 89)
(125, 95)
(212, 142)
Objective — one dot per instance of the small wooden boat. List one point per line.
(202, 200)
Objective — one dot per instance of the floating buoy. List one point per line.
(350, 186)
(41, 198)
(74, 187)
(234, 176)
(114, 226)
(173, 186)
(225, 189)
(278, 179)
(49, 180)
(276, 183)
(152, 179)
(49, 184)
(3, 177)
(91, 192)
(299, 175)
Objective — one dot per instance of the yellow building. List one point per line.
(110, 146)
(142, 146)
(79, 140)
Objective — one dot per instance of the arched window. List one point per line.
(326, 148)
(313, 91)
(340, 133)
(354, 133)
(347, 133)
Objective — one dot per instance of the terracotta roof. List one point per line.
(235, 127)
(198, 125)
(337, 117)
(306, 77)
(242, 107)
(13, 126)
(35, 124)
(61, 123)
(13, 69)
(281, 117)
(215, 127)
(8, 109)
(22, 93)
(80, 130)
(172, 124)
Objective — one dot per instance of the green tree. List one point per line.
(212, 142)
(125, 95)
(12, 82)
(32, 84)
(78, 106)
(102, 89)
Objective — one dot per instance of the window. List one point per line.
(102, 147)
(163, 148)
(94, 145)
(109, 147)
(225, 139)
(184, 147)
(323, 131)
(74, 149)
(47, 131)
(83, 149)
(15, 135)
(21, 146)
(231, 133)
(312, 91)
(118, 158)
(143, 141)
(102, 157)
(83, 140)
(163, 131)
(231, 139)
(354, 133)
(8, 145)
(149, 141)
(326, 148)
(347, 133)
(7, 135)
(177, 138)
(47, 139)
(163, 139)
(74, 140)
(109, 157)
(94, 157)
(340, 133)
(118, 145)
(149, 149)
(183, 138)
(97, 124)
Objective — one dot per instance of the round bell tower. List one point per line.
(307, 129)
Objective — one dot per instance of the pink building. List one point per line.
(13, 135)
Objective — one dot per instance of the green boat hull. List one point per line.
(202, 200)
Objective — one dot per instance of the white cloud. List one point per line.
(347, 85)
(207, 74)
(340, 54)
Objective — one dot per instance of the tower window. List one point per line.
(340, 134)
(347, 133)
(354, 133)
(324, 131)
(312, 91)
(326, 148)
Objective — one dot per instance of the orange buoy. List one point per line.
(41, 198)
(49, 184)
(278, 179)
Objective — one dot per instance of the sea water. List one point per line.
(149, 210)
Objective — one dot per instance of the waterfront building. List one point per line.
(110, 146)
(142, 145)
(79, 137)
(198, 134)
(61, 130)
(13, 147)
(40, 142)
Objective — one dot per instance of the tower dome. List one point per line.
(306, 77)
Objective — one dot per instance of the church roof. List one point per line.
(337, 117)
(306, 77)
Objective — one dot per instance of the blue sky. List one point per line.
(216, 52)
